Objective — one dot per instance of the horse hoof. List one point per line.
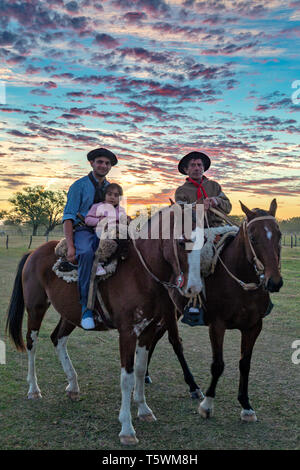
(149, 418)
(74, 396)
(248, 416)
(148, 379)
(128, 440)
(205, 413)
(196, 394)
(34, 396)
(206, 407)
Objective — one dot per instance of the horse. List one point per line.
(235, 300)
(136, 296)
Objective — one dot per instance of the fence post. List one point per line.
(283, 240)
(295, 239)
(291, 241)
(7, 242)
(30, 242)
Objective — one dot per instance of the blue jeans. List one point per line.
(86, 243)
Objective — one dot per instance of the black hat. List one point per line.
(193, 156)
(102, 153)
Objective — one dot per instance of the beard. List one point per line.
(100, 173)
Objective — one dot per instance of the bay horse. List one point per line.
(136, 297)
(237, 297)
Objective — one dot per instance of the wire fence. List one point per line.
(290, 239)
(26, 241)
(31, 242)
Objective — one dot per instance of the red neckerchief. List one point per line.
(200, 189)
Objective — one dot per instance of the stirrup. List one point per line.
(193, 315)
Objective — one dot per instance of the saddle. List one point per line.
(113, 247)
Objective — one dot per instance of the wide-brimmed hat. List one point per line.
(193, 156)
(101, 152)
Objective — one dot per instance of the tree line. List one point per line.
(36, 206)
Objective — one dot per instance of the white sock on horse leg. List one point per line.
(140, 367)
(67, 365)
(127, 384)
(34, 390)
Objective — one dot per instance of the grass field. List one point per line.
(92, 423)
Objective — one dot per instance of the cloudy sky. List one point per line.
(152, 80)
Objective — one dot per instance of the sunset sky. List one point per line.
(152, 80)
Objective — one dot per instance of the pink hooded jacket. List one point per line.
(103, 209)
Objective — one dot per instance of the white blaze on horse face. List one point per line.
(194, 284)
(269, 233)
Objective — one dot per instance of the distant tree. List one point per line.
(54, 209)
(36, 206)
(3, 214)
(236, 219)
(290, 225)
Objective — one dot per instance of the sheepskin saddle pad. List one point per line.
(214, 241)
(104, 254)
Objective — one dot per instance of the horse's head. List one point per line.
(181, 249)
(262, 243)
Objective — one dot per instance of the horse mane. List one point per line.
(260, 212)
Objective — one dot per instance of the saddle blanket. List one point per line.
(214, 239)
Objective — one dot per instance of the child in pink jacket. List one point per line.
(110, 209)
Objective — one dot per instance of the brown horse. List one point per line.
(237, 297)
(136, 297)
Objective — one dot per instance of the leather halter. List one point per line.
(258, 265)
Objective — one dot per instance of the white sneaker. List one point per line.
(100, 270)
(88, 323)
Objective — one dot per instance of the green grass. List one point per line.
(92, 423)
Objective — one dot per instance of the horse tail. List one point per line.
(16, 309)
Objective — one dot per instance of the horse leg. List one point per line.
(216, 333)
(170, 317)
(157, 336)
(141, 359)
(248, 340)
(59, 338)
(127, 342)
(36, 312)
(176, 343)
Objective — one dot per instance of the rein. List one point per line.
(166, 284)
(258, 265)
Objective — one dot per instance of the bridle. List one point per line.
(258, 265)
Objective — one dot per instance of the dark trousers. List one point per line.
(86, 243)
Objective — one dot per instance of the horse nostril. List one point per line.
(273, 286)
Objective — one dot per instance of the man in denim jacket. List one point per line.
(81, 241)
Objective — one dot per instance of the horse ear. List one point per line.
(247, 211)
(273, 207)
(171, 202)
